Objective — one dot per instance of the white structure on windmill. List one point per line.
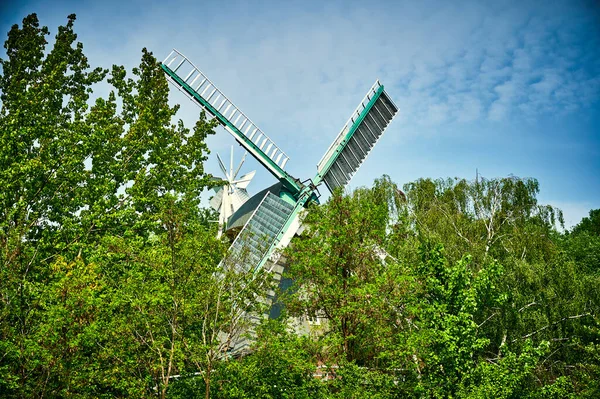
(230, 196)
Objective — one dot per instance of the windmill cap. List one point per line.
(241, 216)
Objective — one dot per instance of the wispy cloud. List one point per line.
(444, 62)
(517, 64)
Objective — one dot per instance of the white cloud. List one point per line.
(443, 62)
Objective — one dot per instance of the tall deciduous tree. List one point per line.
(339, 271)
(43, 148)
(106, 256)
(499, 217)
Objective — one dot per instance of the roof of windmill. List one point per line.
(241, 216)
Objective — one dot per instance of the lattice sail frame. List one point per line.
(356, 139)
(254, 242)
(201, 90)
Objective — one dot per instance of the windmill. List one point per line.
(269, 219)
(232, 194)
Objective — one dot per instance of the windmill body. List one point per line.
(273, 218)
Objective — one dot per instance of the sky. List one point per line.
(496, 88)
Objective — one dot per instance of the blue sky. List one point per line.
(503, 87)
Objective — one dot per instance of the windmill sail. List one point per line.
(263, 231)
(270, 224)
(357, 138)
(191, 81)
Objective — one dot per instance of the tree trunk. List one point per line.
(207, 382)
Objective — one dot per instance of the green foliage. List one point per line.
(486, 217)
(352, 381)
(112, 283)
(510, 376)
(43, 149)
(448, 340)
(280, 366)
(511, 318)
(548, 281)
(338, 273)
(108, 277)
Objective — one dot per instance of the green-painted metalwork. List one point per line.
(305, 196)
(290, 183)
(319, 176)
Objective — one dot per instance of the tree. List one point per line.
(44, 145)
(500, 217)
(582, 253)
(103, 242)
(583, 243)
(444, 339)
(339, 274)
(175, 307)
(550, 297)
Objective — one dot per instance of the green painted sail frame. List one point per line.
(337, 150)
(285, 229)
(294, 189)
(292, 184)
